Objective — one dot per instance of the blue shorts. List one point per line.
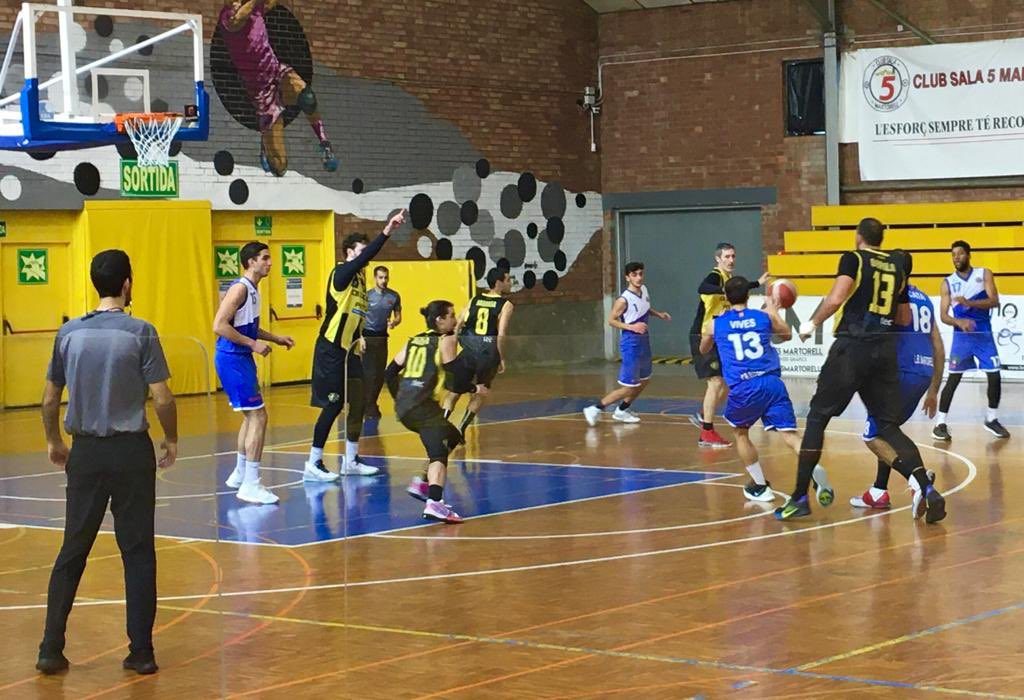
(636, 362)
(913, 387)
(973, 351)
(762, 399)
(237, 373)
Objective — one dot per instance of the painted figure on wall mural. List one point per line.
(269, 83)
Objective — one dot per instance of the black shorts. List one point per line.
(439, 437)
(481, 361)
(331, 367)
(706, 366)
(868, 368)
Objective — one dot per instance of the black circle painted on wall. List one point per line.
(483, 168)
(145, 50)
(41, 155)
(510, 204)
(289, 42)
(531, 230)
(503, 264)
(560, 261)
(556, 230)
(101, 86)
(551, 280)
(443, 249)
(87, 179)
(479, 260)
(175, 149)
(104, 25)
(529, 279)
(469, 212)
(357, 186)
(126, 150)
(239, 191)
(527, 187)
(581, 200)
(421, 211)
(158, 105)
(224, 163)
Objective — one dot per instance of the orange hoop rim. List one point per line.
(120, 119)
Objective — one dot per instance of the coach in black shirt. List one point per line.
(109, 362)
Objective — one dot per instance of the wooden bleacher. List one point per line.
(995, 231)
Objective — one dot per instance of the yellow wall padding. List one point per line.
(419, 282)
(169, 243)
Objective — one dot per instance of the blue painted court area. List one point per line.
(317, 512)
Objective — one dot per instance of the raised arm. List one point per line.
(841, 290)
(240, 16)
(781, 332)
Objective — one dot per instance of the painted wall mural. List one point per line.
(288, 132)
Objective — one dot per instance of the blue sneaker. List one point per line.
(330, 162)
(264, 163)
(800, 508)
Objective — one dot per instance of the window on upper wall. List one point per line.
(805, 97)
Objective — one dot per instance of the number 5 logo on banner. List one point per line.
(886, 83)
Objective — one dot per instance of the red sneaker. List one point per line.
(866, 500)
(711, 438)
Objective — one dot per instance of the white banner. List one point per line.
(938, 111)
(805, 359)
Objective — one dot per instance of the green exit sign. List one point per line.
(263, 224)
(149, 181)
(3, 229)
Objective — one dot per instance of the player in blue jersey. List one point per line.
(921, 357)
(971, 294)
(629, 314)
(751, 369)
(237, 325)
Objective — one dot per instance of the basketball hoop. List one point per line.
(151, 134)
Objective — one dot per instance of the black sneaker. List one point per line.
(142, 662)
(935, 504)
(50, 664)
(941, 432)
(997, 429)
(759, 492)
(799, 508)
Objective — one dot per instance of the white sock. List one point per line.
(756, 473)
(351, 451)
(940, 418)
(913, 483)
(821, 476)
(316, 454)
(252, 471)
(239, 463)
(991, 415)
(877, 493)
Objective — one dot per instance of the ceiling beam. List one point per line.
(918, 32)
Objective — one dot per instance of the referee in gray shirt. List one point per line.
(109, 362)
(384, 312)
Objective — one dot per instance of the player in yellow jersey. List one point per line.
(335, 362)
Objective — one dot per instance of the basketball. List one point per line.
(784, 293)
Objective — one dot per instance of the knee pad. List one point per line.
(306, 101)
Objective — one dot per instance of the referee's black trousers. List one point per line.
(120, 470)
(375, 360)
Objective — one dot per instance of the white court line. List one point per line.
(972, 472)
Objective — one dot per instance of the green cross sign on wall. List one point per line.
(3, 229)
(33, 267)
(225, 260)
(293, 260)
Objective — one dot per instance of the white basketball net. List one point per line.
(152, 137)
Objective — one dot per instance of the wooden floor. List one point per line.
(678, 591)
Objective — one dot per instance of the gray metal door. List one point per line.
(677, 249)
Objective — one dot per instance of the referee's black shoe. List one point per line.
(142, 662)
(50, 664)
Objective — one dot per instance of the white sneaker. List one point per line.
(356, 468)
(591, 413)
(256, 492)
(316, 471)
(625, 416)
(235, 480)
